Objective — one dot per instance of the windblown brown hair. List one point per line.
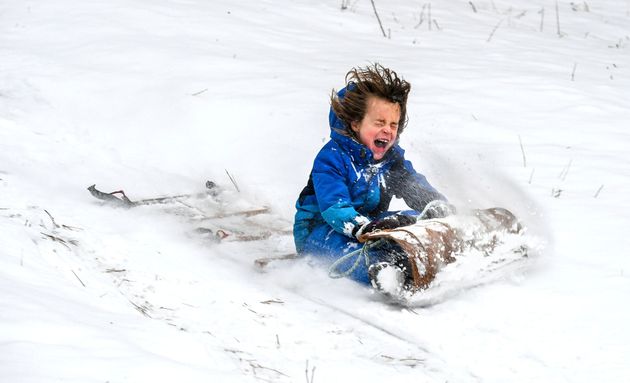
(372, 81)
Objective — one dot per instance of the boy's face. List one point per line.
(379, 128)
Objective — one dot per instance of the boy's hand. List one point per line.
(437, 209)
(387, 223)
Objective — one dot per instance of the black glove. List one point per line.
(437, 209)
(389, 222)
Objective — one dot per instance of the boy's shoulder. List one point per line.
(331, 152)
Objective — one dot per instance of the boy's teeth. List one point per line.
(380, 143)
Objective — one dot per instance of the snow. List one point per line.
(157, 97)
(390, 280)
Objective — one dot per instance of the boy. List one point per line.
(356, 174)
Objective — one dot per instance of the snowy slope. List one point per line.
(512, 105)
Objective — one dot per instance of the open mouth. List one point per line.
(381, 143)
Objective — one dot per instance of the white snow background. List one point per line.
(513, 104)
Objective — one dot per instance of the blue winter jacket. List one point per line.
(348, 188)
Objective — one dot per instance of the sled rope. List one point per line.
(360, 254)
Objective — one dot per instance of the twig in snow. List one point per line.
(531, 176)
(565, 171)
(60, 240)
(558, 20)
(75, 274)
(522, 151)
(509, 17)
(473, 6)
(437, 25)
(573, 72)
(52, 219)
(424, 6)
(244, 213)
(378, 18)
(115, 270)
(309, 380)
(277, 341)
(143, 309)
(261, 263)
(542, 17)
(345, 4)
(233, 181)
(253, 363)
(580, 7)
(494, 30)
(412, 362)
(200, 92)
(598, 190)
(429, 13)
(248, 308)
(255, 366)
(57, 226)
(269, 301)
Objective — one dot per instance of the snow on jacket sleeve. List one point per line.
(330, 181)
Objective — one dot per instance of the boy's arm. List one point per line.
(333, 195)
(413, 187)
